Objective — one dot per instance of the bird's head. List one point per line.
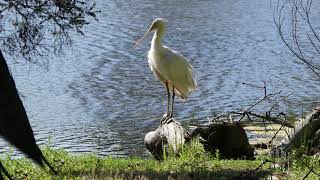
(157, 24)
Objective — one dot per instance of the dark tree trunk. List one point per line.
(14, 123)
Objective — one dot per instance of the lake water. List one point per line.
(102, 97)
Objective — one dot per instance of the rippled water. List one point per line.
(102, 97)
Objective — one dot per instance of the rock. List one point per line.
(170, 133)
(229, 138)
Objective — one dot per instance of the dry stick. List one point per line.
(218, 117)
(269, 118)
(242, 116)
(262, 99)
(253, 85)
(266, 96)
(274, 136)
(305, 177)
(249, 118)
(282, 99)
(281, 128)
(311, 168)
(247, 112)
(257, 168)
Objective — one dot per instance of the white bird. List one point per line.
(170, 67)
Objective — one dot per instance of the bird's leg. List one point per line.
(167, 115)
(173, 95)
(168, 105)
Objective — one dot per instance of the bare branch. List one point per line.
(292, 33)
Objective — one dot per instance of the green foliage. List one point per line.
(191, 162)
(302, 164)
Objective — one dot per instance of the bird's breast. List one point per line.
(154, 58)
(156, 61)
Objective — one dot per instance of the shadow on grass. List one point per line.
(220, 174)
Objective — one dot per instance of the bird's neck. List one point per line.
(157, 37)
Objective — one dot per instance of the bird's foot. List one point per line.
(166, 118)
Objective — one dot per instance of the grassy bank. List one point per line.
(192, 163)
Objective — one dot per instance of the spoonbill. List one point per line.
(170, 67)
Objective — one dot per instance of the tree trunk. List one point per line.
(14, 123)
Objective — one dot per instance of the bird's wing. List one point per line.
(179, 72)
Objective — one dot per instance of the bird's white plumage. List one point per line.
(169, 66)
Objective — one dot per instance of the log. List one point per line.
(229, 138)
(307, 133)
(169, 134)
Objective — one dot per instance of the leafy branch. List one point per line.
(35, 28)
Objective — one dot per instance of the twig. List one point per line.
(305, 177)
(256, 169)
(265, 117)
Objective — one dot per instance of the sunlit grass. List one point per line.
(192, 163)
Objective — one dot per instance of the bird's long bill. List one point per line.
(140, 39)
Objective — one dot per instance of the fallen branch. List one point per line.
(266, 117)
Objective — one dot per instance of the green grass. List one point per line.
(192, 163)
